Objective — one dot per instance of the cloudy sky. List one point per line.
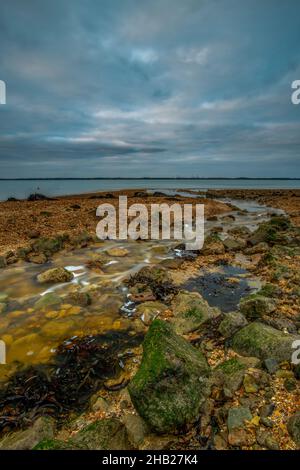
(149, 88)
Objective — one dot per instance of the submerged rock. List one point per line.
(43, 428)
(171, 383)
(263, 341)
(191, 311)
(54, 275)
(118, 252)
(48, 300)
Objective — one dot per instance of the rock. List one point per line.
(43, 428)
(57, 444)
(136, 428)
(39, 258)
(261, 247)
(171, 383)
(267, 410)
(80, 298)
(237, 417)
(213, 245)
(255, 306)
(48, 300)
(105, 434)
(191, 311)
(99, 404)
(250, 384)
(98, 261)
(148, 311)
(290, 384)
(220, 443)
(172, 263)
(33, 234)
(266, 439)
(234, 244)
(266, 422)
(263, 341)
(240, 231)
(3, 307)
(118, 252)
(232, 322)
(3, 297)
(240, 437)
(271, 365)
(2, 262)
(48, 246)
(293, 427)
(54, 275)
(230, 374)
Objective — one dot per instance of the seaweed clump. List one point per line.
(79, 368)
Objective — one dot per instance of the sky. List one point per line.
(119, 88)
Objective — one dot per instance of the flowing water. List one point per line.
(32, 333)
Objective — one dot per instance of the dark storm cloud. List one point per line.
(149, 88)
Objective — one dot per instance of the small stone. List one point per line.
(271, 365)
(118, 252)
(267, 410)
(55, 275)
(250, 384)
(290, 384)
(240, 437)
(232, 322)
(237, 417)
(267, 422)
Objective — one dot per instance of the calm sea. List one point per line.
(22, 189)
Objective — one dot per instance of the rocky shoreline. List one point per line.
(203, 360)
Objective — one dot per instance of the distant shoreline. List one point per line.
(149, 178)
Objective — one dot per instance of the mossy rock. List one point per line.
(230, 374)
(55, 275)
(191, 311)
(171, 383)
(42, 429)
(263, 341)
(105, 434)
(255, 306)
(232, 322)
(48, 246)
(56, 444)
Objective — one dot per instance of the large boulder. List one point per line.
(171, 383)
(191, 311)
(43, 428)
(263, 341)
(54, 275)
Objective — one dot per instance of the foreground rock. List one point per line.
(171, 383)
(263, 341)
(106, 434)
(42, 429)
(55, 275)
(191, 311)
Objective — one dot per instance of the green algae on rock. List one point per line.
(263, 341)
(191, 311)
(171, 383)
(54, 275)
(255, 306)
